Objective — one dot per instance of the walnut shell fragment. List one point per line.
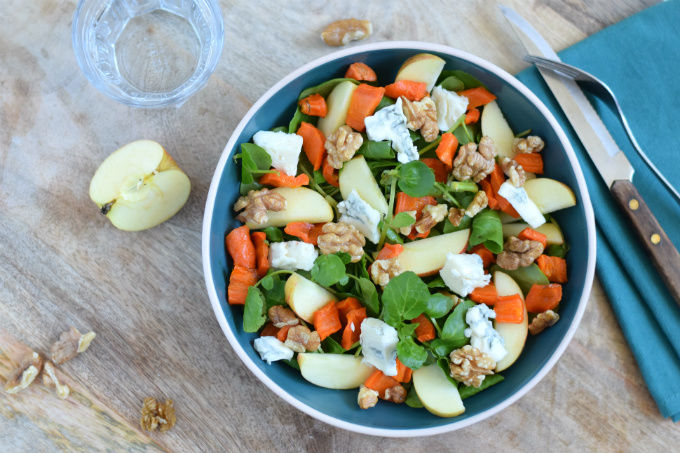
(25, 374)
(341, 32)
(70, 344)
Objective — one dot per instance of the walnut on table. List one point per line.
(256, 205)
(367, 398)
(432, 215)
(513, 170)
(155, 414)
(29, 368)
(542, 321)
(341, 146)
(301, 339)
(479, 202)
(280, 316)
(384, 270)
(531, 144)
(70, 344)
(341, 32)
(421, 115)
(518, 253)
(49, 377)
(342, 237)
(471, 163)
(470, 366)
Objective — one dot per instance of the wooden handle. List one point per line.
(664, 255)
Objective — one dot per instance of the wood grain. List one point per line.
(63, 264)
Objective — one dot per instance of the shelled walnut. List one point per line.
(341, 32)
(341, 146)
(471, 163)
(542, 321)
(155, 414)
(24, 375)
(479, 202)
(301, 339)
(421, 115)
(456, 216)
(342, 237)
(432, 215)
(70, 344)
(531, 144)
(384, 270)
(256, 205)
(396, 394)
(367, 398)
(513, 170)
(470, 366)
(280, 316)
(518, 253)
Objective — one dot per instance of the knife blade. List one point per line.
(608, 158)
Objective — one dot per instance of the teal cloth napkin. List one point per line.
(638, 59)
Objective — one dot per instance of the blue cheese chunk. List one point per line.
(379, 345)
(389, 123)
(450, 106)
(519, 199)
(284, 149)
(272, 349)
(464, 272)
(292, 255)
(355, 211)
(481, 333)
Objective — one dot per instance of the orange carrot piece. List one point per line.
(509, 309)
(485, 254)
(484, 295)
(497, 178)
(404, 373)
(477, 97)
(279, 179)
(270, 330)
(531, 162)
(241, 248)
(352, 330)
(405, 203)
(529, 234)
(425, 330)
(283, 333)
(544, 297)
(345, 306)
(472, 116)
(390, 251)
(261, 252)
(441, 173)
(364, 101)
(313, 142)
(413, 91)
(490, 194)
(361, 71)
(330, 174)
(313, 105)
(327, 320)
(447, 148)
(554, 267)
(240, 280)
(307, 232)
(379, 382)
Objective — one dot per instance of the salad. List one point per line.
(397, 238)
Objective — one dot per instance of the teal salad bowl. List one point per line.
(523, 110)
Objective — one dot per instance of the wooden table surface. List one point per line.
(64, 264)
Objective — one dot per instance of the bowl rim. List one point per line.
(590, 226)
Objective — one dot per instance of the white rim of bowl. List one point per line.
(590, 224)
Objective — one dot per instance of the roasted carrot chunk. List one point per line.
(413, 91)
(240, 247)
(472, 116)
(441, 173)
(364, 101)
(361, 71)
(379, 382)
(531, 162)
(425, 330)
(544, 297)
(313, 142)
(345, 306)
(485, 254)
(352, 330)
(532, 235)
(329, 173)
(390, 251)
(485, 294)
(261, 252)
(554, 267)
(509, 309)
(307, 232)
(313, 105)
(279, 179)
(447, 148)
(404, 373)
(327, 320)
(477, 97)
(240, 280)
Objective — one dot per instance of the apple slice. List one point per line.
(427, 256)
(552, 231)
(437, 394)
(139, 186)
(514, 335)
(305, 297)
(302, 205)
(549, 195)
(333, 371)
(423, 67)
(496, 127)
(356, 175)
(338, 105)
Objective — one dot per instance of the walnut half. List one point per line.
(474, 164)
(542, 321)
(155, 414)
(342, 237)
(384, 270)
(470, 366)
(256, 205)
(341, 32)
(367, 398)
(421, 115)
(25, 374)
(70, 344)
(341, 146)
(518, 253)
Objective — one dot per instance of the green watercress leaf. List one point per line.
(345, 257)
(369, 294)
(443, 363)
(325, 88)
(245, 188)
(394, 237)
(259, 156)
(254, 312)
(415, 179)
(412, 399)
(404, 297)
(273, 234)
(376, 150)
(402, 219)
(328, 270)
(492, 379)
(297, 120)
(464, 225)
(385, 102)
(455, 324)
(330, 346)
(276, 295)
(468, 80)
(411, 354)
(293, 363)
(452, 83)
(558, 250)
(267, 282)
(438, 305)
(442, 348)
(487, 229)
(280, 129)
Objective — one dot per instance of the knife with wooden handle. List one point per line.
(609, 160)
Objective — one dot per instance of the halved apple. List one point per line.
(495, 126)
(302, 205)
(333, 371)
(423, 67)
(139, 186)
(552, 231)
(549, 195)
(514, 335)
(356, 175)
(305, 297)
(436, 392)
(427, 256)
(338, 105)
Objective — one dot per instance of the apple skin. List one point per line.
(302, 205)
(139, 186)
(357, 175)
(549, 195)
(436, 392)
(514, 335)
(305, 297)
(334, 371)
(496, 127)
(427, 256)
(338, 105)
(423, 67)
